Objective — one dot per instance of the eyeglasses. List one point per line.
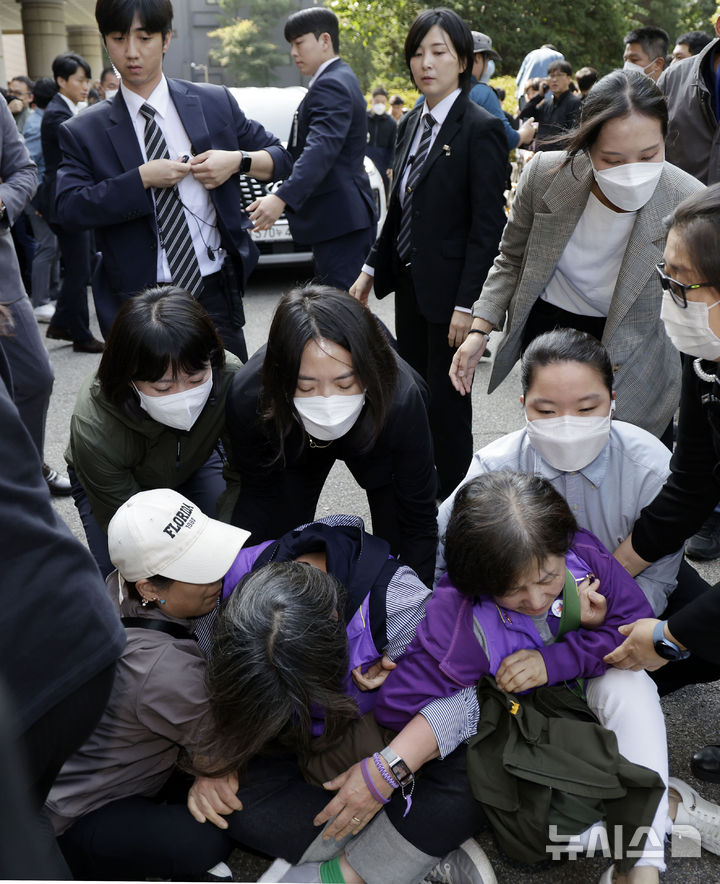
(678, 290)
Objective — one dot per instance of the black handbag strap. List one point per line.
(173, 629)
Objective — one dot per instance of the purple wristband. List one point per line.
(389, 779)
(369, 783)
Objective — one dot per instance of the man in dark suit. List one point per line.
(155, 172)
(327, 199)
(71, 321)
(443, 225)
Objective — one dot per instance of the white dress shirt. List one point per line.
(199, 210)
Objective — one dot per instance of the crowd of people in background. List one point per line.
(217, 667)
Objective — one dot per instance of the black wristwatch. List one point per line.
(664, 647)
(399, 769)
(245, 163)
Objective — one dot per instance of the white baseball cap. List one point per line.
(162, 532)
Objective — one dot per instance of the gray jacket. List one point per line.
(548, 204)
(693, 139)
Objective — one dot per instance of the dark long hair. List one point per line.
(616, 95)
(501, 524)
(280, 654)
(697, 220)
(308, 314)
(159, 328)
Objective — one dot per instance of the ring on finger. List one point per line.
(356, 819)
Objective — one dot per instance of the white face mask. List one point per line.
(379, 108)
(110, 93)
(631, 185)
(689, 328)
(177, 410)
(638, 68)
(570, 443)
(488, 72)
(329, 417)
(81, 105)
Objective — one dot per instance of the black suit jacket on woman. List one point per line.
(457, 210)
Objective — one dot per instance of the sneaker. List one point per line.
(44, 313)
(466, 865)
(705, 545)
(696, 812)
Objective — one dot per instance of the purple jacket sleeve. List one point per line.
(241, 566)
(421, 675)
(580, 653)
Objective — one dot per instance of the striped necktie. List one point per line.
(404, 240)
(171, 221)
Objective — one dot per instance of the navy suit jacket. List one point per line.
(99, 185)
(458, 214)
(56, 113)
(328, 193)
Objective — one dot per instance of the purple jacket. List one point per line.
(446, 656)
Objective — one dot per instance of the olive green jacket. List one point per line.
(116, 454)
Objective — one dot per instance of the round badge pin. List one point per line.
(557, 607)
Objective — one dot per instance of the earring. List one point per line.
(162, 601)
(144, 603)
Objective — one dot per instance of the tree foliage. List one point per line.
(587, 32)
(247, 45)
(696, 15)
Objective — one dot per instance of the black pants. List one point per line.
(71, 312)
(279, 807)
(137, 838)
(694, 670)
(217, 301)
(338, 261)
(424, 345)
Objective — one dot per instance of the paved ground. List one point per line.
(692, 714)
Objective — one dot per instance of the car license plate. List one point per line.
(275, 233)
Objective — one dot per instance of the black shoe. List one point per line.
(705, 764)
(59, 485)
(57, 333)
(92, 345)
(705, 544)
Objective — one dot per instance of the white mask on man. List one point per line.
(177, 410)
(379, 108)
(570, 443)
(638, 68)
(631, 185)
(329, 417)
(110, 93)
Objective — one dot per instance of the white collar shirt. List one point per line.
(325, 64)
(199, 210)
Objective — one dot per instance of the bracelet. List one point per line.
(479, 331)
(389, 779)
(381, 799)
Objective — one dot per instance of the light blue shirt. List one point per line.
(605, 497)
(484, 95)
